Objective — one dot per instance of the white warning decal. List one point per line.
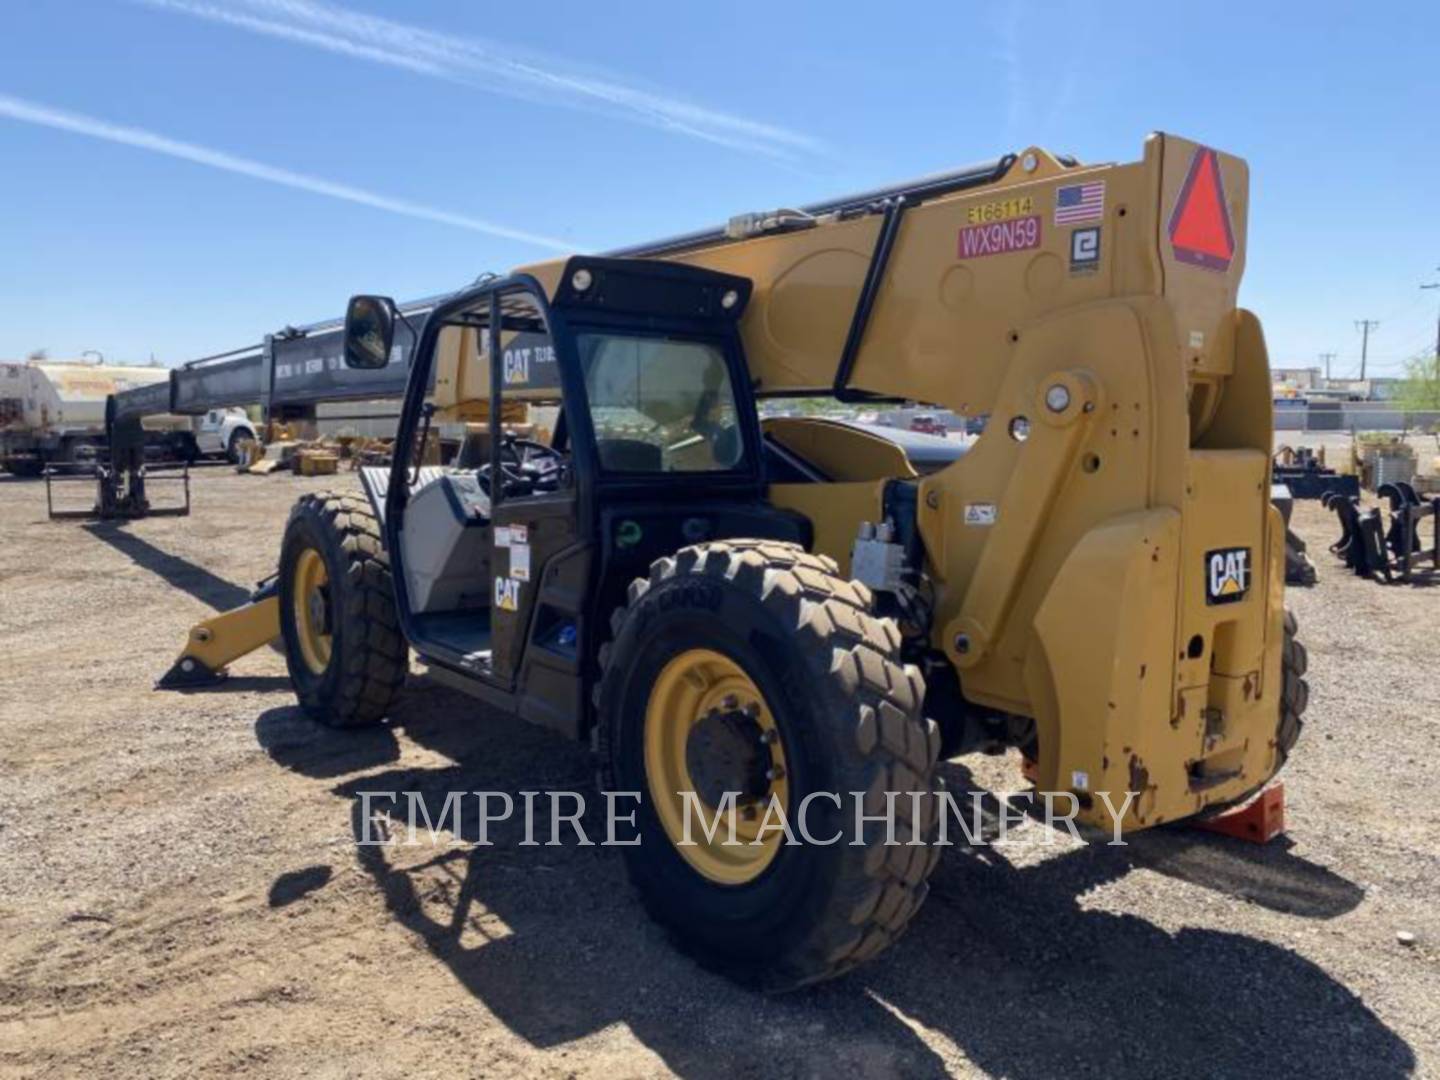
(519, 561)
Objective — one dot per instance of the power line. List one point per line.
(1417, 346)
(1404, 309)
(1365, 326)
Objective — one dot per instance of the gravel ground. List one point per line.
(181, 891)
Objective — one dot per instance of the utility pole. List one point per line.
(1325, 358)
(1365, 326)
(1435, 285)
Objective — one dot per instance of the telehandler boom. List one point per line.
(744, 615)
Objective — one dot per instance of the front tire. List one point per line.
(768, 645)
(343, 646)
(233, 448)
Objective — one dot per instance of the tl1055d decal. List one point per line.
(528, 362)
(1227, 575)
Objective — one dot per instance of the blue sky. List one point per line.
(177, 177)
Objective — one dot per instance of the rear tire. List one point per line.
(343, 646)
(1296, 695)
(847, 712)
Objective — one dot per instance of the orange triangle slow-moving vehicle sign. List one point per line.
(1200, 232)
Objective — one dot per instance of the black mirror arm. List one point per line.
(427, 411)
(408, 324)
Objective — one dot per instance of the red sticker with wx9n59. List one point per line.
(1000, 237)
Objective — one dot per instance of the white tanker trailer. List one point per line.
(53, 412)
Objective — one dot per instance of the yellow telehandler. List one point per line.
(744, 614)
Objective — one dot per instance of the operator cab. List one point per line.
(505, 559)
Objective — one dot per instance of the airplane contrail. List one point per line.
(488, 65)
(61, 120)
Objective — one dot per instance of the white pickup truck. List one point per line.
(220, 431)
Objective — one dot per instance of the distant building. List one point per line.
(1292, 382)
(1384, 389)
(1310, 383)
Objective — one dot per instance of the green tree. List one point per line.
(1420, 391)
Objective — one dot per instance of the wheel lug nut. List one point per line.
(775, 773)
(752, 710)
(729, 703)
(768, 737)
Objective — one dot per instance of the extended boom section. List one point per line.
(287, 375)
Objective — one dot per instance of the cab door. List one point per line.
(540, 551)
(208, 437)
(541, 566)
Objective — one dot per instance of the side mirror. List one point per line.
(369, 331)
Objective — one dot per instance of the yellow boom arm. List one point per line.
(224, 638)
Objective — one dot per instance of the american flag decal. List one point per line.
(1080, 202)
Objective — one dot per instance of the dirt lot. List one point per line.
(181, 892)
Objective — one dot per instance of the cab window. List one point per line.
(660, 404)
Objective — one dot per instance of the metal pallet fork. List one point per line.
(120, 494)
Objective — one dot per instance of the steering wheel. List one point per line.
(531, 458)
(526, 466)
(512, 480)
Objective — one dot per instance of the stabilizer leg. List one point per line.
(187, 673)
(225, 638)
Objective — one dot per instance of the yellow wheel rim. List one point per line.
(312, 610)
(706, 715)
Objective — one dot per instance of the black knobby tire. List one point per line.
(848, 712)
(232, 447)
(369, 656)
(26, 467)
(1296, 693)
(1294, 696)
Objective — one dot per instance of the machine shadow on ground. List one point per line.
(1019, 965)
(178, 573)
